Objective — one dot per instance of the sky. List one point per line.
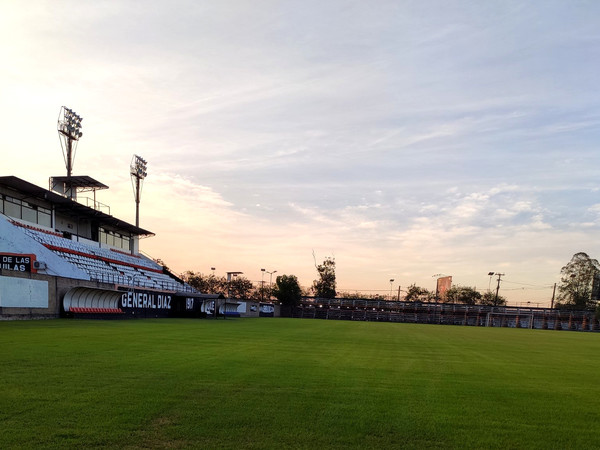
(405, 139)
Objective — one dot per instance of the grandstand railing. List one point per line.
(107, 265)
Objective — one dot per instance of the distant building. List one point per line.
(443, 286)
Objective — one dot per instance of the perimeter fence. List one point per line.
(446, 314)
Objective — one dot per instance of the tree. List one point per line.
(287, 290)
(579, 283)
(240, 288)
(416, 293)
(325, 286)
(261, 292)
(207, 284)
(463, 294)
(489, 299)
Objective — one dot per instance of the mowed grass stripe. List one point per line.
(285, 383)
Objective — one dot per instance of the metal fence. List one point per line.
(446, 313)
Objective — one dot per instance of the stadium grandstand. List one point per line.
(65, 255)
(63, 258)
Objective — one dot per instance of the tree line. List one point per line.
(287, 289)
(456, 294)
(579, 287)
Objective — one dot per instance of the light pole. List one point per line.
(391, 285)
(490, 274)
(270, 282)
(229, 276)
(212, 284)
(262, 285)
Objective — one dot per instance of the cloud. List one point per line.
(406, 140)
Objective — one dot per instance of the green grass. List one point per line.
(285, 383)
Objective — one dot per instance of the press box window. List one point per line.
(44, 217)
(12, 207)
(29, 212)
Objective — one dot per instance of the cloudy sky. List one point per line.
(404, 138)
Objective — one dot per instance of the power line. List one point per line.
(528, 289)
(529, 284)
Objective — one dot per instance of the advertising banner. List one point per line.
(443, 286)
(16, 262)
(146, 303)
(266, 310)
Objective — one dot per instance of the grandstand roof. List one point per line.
(67, 205)
(80, 182)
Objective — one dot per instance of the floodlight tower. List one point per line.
(138, 173)
(69, 132)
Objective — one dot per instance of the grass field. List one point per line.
(289, 383)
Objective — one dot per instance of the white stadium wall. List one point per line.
(23, 293)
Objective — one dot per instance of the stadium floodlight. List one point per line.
(138, 173)
(69, 133)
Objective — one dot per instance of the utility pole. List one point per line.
(500, 275)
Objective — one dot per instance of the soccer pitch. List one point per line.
(290, 383)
